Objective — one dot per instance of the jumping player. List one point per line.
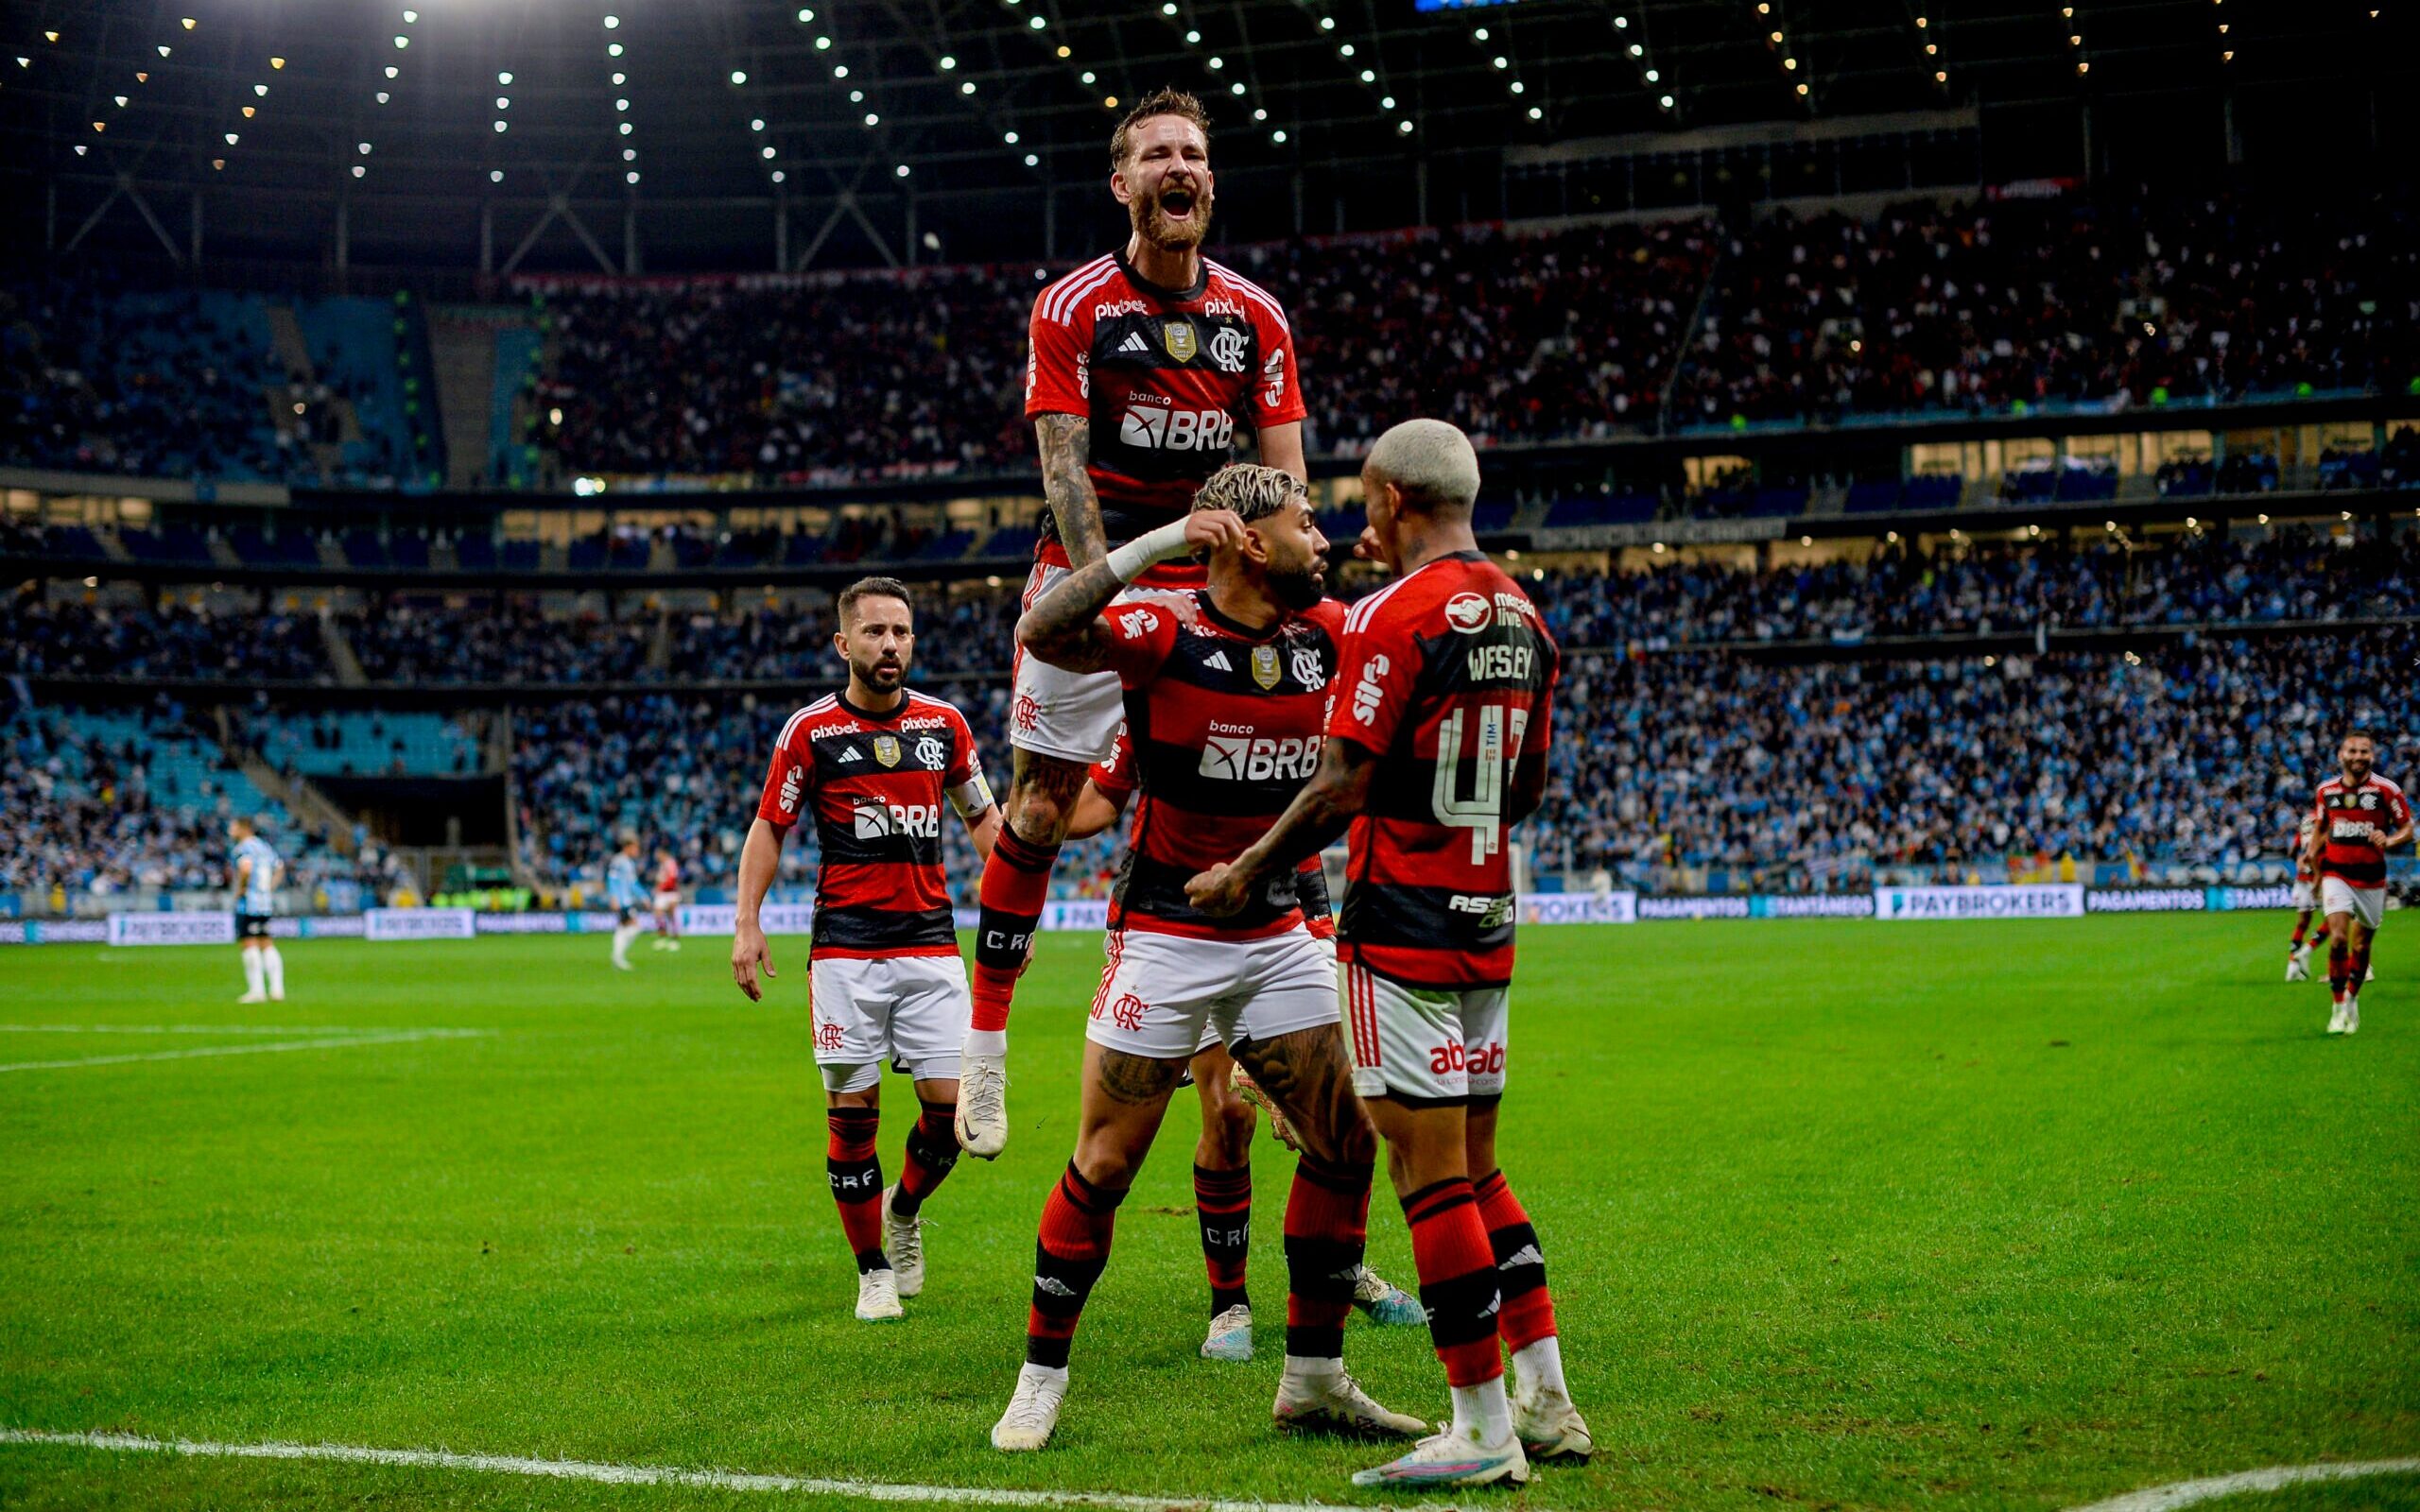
(2305, 902)
(1436, 747)
(1225, 689)
(257, 872)
(1141, 364)
(875, 763)
(1222, 1157)
(2358, 817)
(622, 896)
(667, 902)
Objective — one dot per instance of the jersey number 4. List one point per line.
(1500, 731)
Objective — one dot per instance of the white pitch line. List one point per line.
(192, 1028)
(2276, 1477)
(572, 1469)
(323, 1042)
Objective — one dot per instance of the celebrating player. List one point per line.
(622, 896)
(2306, 901)
(1225, 689)
(1222, 1157)
(257, 872)
(1141, 363)
(667, 902)
(874, 763)
(1436, 746)
(2358, 818)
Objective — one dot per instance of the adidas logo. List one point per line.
(1525, 1255)
(1218, 660)
(1134, 342)
(1053, 1285)
(851, 754)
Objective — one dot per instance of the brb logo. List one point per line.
(1177, 430)
(910, 821)
(1250, 759)
(1478, 1060)
(1370, 691)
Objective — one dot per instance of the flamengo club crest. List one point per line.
(886, 749)
(1263, 665)
(1179, 337)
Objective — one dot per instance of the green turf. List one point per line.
(1837, 1213)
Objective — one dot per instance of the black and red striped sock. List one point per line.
(2339, 958)
(1016, 882)
(1223, 1200)
(2356, 971)
(1456, 1268)
(932, 1151)
(2302, 927)
(1070, 1252)
(1527, 1314)
(855, 1173)
(1327, 1225)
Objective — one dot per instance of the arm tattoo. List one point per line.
(1306, 1072)
(1064, 628)
(1137, 1079)
(1326, 806)
(1066, 442)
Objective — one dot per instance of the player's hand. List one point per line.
(1210, 529)
(1366, 549)
(747, 952)
(1219, 891)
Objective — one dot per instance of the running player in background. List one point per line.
(1436, 746)
(622, 896)
(2306, 901)
(256, 873)
(1225, 688)
(2359, 817)
(667, 902)
(1222, 1157)
(1141, 363)
(875, 763)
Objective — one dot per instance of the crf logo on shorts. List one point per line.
(1177, 430)
(827, 1035)
(1128, 1011)
(1480, 1060)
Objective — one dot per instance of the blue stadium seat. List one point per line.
(1013, 541)
(1874, 497)
(585, 556)
(476, 553)
(2077, 486)
(804, 550)
(1782, 503)
(947, 547)
(1933, 491)
(408, 551)
(1490, 517)
(519, 556)
(363, 548)
(1615, 509)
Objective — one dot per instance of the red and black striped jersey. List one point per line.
(878, 783)
(1113, 777)
(2303, 833)
(2354, 819)
(1448, 678)
(667, 876)
(1164, 376)
(1223, 725)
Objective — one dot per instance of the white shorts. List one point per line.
(665, 900)
(1072, 715)
(1423, 1044)
(2368, 904)
(911, 1010)
(2305, 895)
(1172, 996)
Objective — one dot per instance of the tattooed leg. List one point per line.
(1124, 1099)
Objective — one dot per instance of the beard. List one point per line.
(879, 676)
(1153, 224)
(1300, 588)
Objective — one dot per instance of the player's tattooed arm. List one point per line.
(1064, 626)
(1066, 444)
(1328, 804)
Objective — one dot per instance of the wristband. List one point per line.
(1165, 543)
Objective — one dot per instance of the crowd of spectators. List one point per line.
(508, 640)
(65, 639)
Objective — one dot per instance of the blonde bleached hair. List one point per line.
(1252, 491)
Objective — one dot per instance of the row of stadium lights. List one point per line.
(1370, 80)
(1237, 88)
(620, 78)
(394, 73)
(1778, 39)
(2074, 29)
(1648, 71)
(766, 151)
(1503, 61)
(1040, 24)
(1932, 50)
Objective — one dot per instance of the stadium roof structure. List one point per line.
(664, 134)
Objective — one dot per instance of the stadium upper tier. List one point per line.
(1575, 335)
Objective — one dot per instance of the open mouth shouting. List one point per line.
(1178, 214)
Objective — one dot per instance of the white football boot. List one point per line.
(1033, 1409)
(983, 1105)
(1550, 1427)
(878, 1297)
(1334, 1403)
(903, 1241)
(2298, 966)
(2336, 1020)
(2352, 1015)
(1229, 1337)
(1451, 1458)
(254, 997)
(1382, 1301)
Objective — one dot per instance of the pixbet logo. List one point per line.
(1177, 430)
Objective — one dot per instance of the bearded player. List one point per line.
(1436, 747)
(1231, 1102)
(1142, 362)
(2360, 816)
(1225, 690)
(875, 763)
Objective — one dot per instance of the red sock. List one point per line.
(1223, 1200)
(932, 1151)
(2357, 972)
(1520, 1264)
(1069, 1254)
(1327, 1225)
(1016, 882)
(2301, 926)
(2339, 958)
(1456, 1268)
(856, 1173)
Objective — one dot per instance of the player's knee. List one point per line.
(1227, 1130)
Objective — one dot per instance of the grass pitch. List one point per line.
(1836, 1213)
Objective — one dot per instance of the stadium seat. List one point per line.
(1874, 497)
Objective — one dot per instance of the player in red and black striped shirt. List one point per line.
(2359, 816)
(1436, 748)
(1225, 692)
(874, 765)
